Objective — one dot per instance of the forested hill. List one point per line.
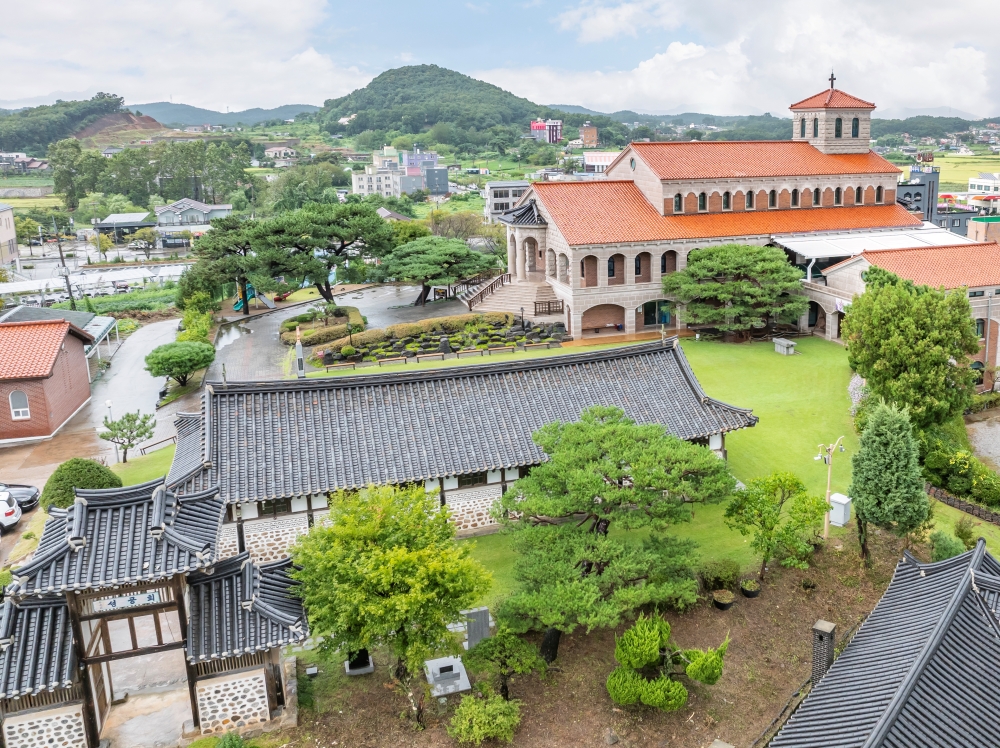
(414, 98)
(31, 130)
(174, 115)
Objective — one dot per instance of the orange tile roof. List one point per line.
(30, 348)
(736, 159)
(832, 99)
(607, 212)
(950, 266)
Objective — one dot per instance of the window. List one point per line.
(878, 194)
(815, 127)
(749, 199)
(855, 127)
(19, 406)
(802, 127)
(980, 328)
(611, 267)
(795, 198)
(816, 197)
(702, 201)
(956, 222)
(725, 201)
(631, 163)
(978, 368)
(976, 294)
(501, 193)
(772, 199)
(858, 196)
(516, 193)
(678, 203)
(638, 266)
(838, 128)
(472, 479)
(838, 197)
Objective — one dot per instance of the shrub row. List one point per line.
(320, 334)
(452, 324)
(951, 466)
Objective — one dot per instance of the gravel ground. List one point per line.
(984, 433)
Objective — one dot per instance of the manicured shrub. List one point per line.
(719, 574)
(945, 546)
(448, 325)
(965, 531)
(179, 360)
(663, 693)
(232, 740)
(76, 473)
(479, 719)
(196, 326)
(640, 645)
(706, 666)
(348, 350)
(625, 686)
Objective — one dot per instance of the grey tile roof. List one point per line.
(921, 671)
(523, 215)
(116, 536)
(282, 439)
(36, 646)
(239, 607)
(188, 455)
(35, 314)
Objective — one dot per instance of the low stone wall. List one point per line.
(25, 191)
(61, 727)
(228, 544)
(976, 510)
(470, 509)
(269, 539)
(232, 702)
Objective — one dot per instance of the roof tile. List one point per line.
(832, 99)
(952, 266)
(30, 348)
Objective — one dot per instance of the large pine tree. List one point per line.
(887, 488)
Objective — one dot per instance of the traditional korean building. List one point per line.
(134, 572)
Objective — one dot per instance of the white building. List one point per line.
(385, 182)
(8, 236)
(598, 161)
(189, 214)
(984, 183)
(279, 152)
(501, 196)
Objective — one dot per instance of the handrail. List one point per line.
(481, 293)
(465, 285)
(148, 447)
(553, 306)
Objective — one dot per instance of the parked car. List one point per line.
(25, 496)
(10, 512)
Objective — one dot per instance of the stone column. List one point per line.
(511, 255)
(576, 324)
(522, 262)
(831, 325)
(804, 323)
(629, 320)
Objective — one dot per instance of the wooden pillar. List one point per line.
(192, 671)
(89, 702)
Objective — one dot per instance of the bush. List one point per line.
(719, 574)
(640, 645)
(348, 350)
(6, 577)
(945, 546)
(966, 532)
(231, 740)
(76, 473)
(479, 719)
(625, 686)
(706, 666)
(127, 326)
(200, 302)
(663, 693)
(985, 401)
(196, 325)
(453, 324)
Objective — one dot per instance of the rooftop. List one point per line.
(34, 314)
(832, 98)
(850, 243)
(117, 219)
(35, 631)
(679, 160)
(30, 349)
(952, 266)
(187, 203)
(265, 440)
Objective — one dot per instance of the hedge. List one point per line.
(452, 324)
(321, 334)
(76, 473)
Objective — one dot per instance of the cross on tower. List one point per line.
(832, 79)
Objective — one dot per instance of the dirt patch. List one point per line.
(118, 124)
(145, 316)
(769, 656)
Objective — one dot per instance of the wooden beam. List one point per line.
(89, 705)
(138, 652)
(112, 615)
(192, 671)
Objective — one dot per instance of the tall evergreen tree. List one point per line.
(887, 487)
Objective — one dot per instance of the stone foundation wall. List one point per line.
(470, 509)
(232, 702)
(269, 539)
(229, 541)
(60, 727)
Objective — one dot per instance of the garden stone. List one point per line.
(444, 345)
(609, 736)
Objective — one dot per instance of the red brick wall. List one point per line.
(888, 196)
(739, 201)
(644, 275)
(784, 199)
(760, 200)
(620, 271)
(827, 196)
(601, 315)
(589, 271)
(869, 195)
(671, 261)
(994, 329)
(38, 424)
(715, 202)
(691, 202)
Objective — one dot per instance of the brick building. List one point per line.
(44, 378)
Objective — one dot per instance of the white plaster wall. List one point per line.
(848, 278)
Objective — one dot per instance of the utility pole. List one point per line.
(826, 454)
(62, 262)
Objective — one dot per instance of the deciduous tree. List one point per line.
(433, 261)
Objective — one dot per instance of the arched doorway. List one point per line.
(603, 318)
(562, 271)
(550, 264)
(657, 312)
(531, 255)
(668, 262)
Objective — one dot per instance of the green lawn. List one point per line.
(142, 468)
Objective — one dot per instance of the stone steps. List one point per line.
(512, 297)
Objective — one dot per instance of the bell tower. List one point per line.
(833, 121)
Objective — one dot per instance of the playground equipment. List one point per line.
(251, 294)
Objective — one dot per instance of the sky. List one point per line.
(651, 56)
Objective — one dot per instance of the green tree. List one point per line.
(504, 655)
(434, 261)
(228, 252)
(102, 243)
(602, 471)
(404, 232)
(887, 487)
(737, 287)
(780, 515)
(131, 173)
(385, 571)
(912, 345)
(25, 228)
(76, 473)
(128, 430)
(945, 546)
(179, 360)
(64, 159)
(146, 238)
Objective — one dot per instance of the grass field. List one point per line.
(142, 468)
(27, 203)
(956, 170)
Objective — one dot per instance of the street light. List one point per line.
(826, 454)
(111, 418)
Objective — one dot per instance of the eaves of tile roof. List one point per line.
(832, 98)
(36, 646)
(30, 348)
(952, 266)
(747, 159)
(612, 212)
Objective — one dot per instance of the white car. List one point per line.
(10, 512)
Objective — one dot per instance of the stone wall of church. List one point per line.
(61, 727)
(232, 702)
(269, 539)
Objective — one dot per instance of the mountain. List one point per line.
(185, 115)
(413, 98)
(31, 130)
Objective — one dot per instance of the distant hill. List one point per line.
(413, 98)
(175, 115)
(31, 130)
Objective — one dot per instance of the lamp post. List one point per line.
(826, 454)
(111, 418)
(63, 270)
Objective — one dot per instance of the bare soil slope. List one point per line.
(121, 127)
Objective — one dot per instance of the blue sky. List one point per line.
(717, 56)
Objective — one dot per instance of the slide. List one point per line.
(266, 301)
(238, 306)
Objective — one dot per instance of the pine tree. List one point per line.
(887, 488)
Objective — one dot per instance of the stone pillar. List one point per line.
(522, 263)
(831, 325)
(576, 327)
(804, 323)
(824, 639)
(511, 255)
(629, 320)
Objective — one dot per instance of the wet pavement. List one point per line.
(128, 386)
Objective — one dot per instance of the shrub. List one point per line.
(640, 645)
(479, 719)
(348, 350)
(6, 577)
(231, 740)
(719, 574)
(706, 666)
(663, 693)
(179, 360)
(945, 546)
(126, 326)
(448, 325)
(196, 326)
(201, 302)
(965, 531)
(625, 686)
(76, 473)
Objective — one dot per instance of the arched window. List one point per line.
(878, 194)
(749, 199)
(838, 128)
(815, 127)
(668, 262)
(795, 198)
(772, 199)
(678, 203)
(978, 368)
(611, 267)
(816, 197)
(19, 406)
(702, 201)
(980, 328)
(858, 196)
(638, 266)
(802, 127)
(838, 196)
(726, 201)
(855, 127)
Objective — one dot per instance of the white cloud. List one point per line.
(596, 22)
(235, 53)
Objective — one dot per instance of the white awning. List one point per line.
(94, 279)
(850, 243)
